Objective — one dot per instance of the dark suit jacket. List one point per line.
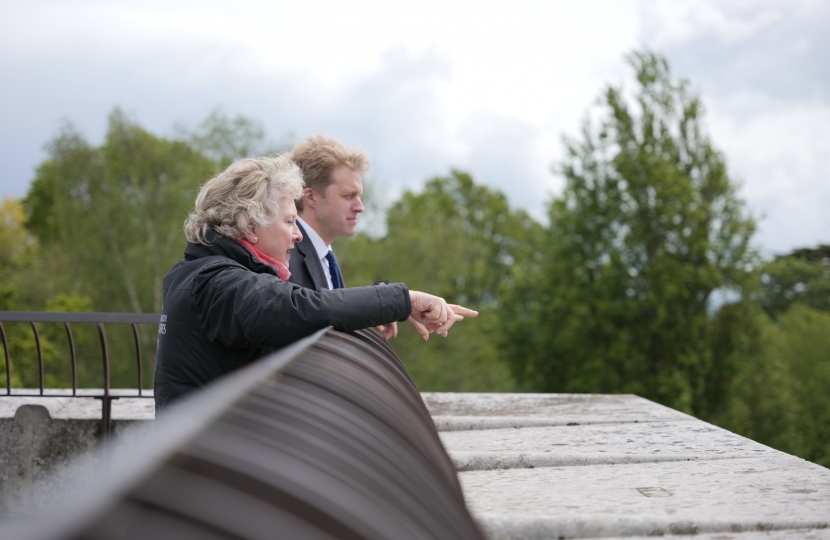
(305, 266)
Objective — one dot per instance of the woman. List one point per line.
(228, 302)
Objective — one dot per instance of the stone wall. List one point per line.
(46, 444)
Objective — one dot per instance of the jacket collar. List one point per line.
(226, 247)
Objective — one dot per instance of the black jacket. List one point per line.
(223, 309)
(306, 268)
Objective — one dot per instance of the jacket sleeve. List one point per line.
(240, 308)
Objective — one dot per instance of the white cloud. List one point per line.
(486, 87)
(760, 67)
(780, 153)
(504, 152)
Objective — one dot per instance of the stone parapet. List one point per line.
(541, 466)
(532, 466)
(47, 443)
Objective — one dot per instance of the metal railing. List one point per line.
(67, 319)
(327, 438)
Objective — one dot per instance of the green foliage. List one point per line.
(115, 212)
(647, 228)
(779, 394)
(224, 139)
(16, 247)
(461, 241)
(54, 349)
(802, 277)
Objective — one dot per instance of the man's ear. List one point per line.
(309, 198)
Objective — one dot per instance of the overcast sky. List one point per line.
(487, 87)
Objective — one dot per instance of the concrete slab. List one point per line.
(41, 456)
(787, 534)
(470, 411)
(597, 444)
(76, 408)
(691, 497)
(46, 443)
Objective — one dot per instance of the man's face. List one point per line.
(338, 207)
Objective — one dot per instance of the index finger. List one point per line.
(461, 310)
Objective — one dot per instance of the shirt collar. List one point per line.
(319, 245)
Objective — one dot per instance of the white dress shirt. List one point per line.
(319, 246)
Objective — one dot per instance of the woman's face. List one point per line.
(277, 240)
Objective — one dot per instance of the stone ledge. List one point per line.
(555, 409)
(475, 423)
(61, 404)
(730, 495)
(497, 527)
(493, 461)
(783, 534)
(600, 443)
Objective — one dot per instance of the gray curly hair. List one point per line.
(242, 197)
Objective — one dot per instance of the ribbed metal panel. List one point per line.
(333, 443)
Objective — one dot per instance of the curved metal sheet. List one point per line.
(335, 443)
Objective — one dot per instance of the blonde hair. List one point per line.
(318, 156)
(242, 197)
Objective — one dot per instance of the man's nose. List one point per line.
(359, 206)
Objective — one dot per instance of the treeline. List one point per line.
(643, 279)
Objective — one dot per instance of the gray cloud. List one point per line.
(758, 69)
(778, 49)
(505, 153)
(761, 70)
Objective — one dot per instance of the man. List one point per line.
(328, 209)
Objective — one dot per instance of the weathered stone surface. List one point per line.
(457, 411)
(488, 461)
(707, 496)
(597, 444)
(124, 408)
(785, 534)
(534, 528)
(629, 468)
(41, 454)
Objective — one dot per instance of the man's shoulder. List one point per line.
(304, 246)
(305, 266)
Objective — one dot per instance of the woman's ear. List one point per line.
(251, 236)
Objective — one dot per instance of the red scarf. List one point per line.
(282, 271)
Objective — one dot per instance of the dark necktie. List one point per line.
(334, 271)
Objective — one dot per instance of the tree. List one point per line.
(648, 226)
(225, 139)
(461, 241)
(15, 242)
(802, 276)
(779, 393)
(115, 212)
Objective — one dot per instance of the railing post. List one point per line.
(8, 360)
(106, 416)
(39, 355)
(138, 359)
(106, 403)
(72, 358)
